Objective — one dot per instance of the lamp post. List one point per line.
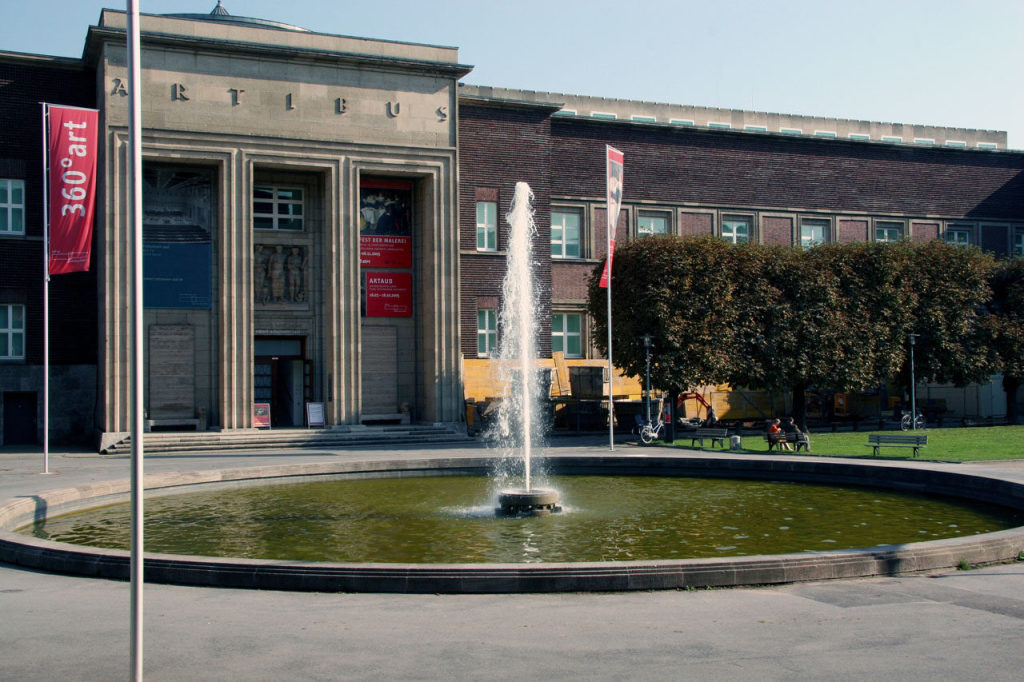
(647, 349)
(913, 384)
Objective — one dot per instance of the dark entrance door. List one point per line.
(19, 417)
(278, 372)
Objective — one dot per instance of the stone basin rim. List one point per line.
(921, 477)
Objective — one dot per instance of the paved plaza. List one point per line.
(947, 625)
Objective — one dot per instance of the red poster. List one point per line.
(389, 294)
(382, 251)
(71, 157)
(261, 415)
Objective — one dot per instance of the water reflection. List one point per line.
(605, 519)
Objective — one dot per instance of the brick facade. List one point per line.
(500, 146)
(27, 81)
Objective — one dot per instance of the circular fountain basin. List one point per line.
(537, 577)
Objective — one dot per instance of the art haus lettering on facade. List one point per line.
(322, 219)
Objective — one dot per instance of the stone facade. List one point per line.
(238, 110)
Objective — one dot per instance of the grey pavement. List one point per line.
(943, 626)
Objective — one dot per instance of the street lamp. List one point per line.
(913, 384)
(647, 349)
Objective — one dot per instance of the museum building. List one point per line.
(323, 219)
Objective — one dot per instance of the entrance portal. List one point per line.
(279, 378)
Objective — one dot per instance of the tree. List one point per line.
(681, 292)
(803, 321)
(950, 289)
(1004, 322)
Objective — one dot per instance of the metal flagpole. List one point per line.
(46, 293)
(135, 217)
(608, 255)
(613, 160)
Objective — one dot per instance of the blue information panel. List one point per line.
(176, 275)
(177, 210)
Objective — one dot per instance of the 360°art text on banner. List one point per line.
(71, 160)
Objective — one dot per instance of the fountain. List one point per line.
(519, 424)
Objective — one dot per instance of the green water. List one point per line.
(450, 519)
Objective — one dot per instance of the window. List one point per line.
(736, 229)
(825, 133)
(958, 236)
(486, 332)
(813, 232)
(12, 332)
(277, 208)
(486, 226)
(888, 231)
(791, 131)
(565, 234)
(720, 125)
(860, 137)
(565, 334)
(756, 129)
(648, 224)
(891, 138)
(1018, 244)
(12, 207)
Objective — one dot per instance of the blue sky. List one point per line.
(939, 62)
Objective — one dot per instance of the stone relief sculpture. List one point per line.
(296, 268)
(277, 260)
(260, 284)
(279, 274)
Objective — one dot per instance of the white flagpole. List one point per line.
(46, 291)
(135, 218)
(608, 255)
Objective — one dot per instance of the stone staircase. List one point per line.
(261, 439)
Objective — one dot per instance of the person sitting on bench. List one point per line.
(774, 429)
(794, 434)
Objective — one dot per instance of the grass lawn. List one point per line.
(970, 444)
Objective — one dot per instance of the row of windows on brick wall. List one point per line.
(566, 333)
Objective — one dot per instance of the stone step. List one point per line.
(255, 439)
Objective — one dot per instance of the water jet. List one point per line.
(519, 423)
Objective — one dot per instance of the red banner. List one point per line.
(614, 159)
(389, 294)
(71, 160)
(606, 274)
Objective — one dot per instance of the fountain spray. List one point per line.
(518, 416)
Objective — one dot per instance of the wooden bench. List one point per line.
(880, 440)
(798, 440)
(711, 434)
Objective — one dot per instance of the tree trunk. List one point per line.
(1011, 385)
(800, 406)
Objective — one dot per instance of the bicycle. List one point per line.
(651, 431)
(905, 423)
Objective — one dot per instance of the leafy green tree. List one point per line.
(1005, 325)
(681, 292)
(950, 289)
(804, 322)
